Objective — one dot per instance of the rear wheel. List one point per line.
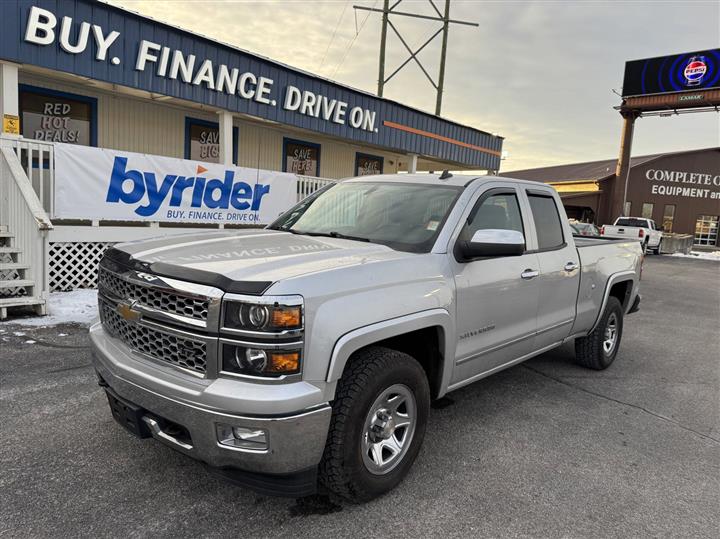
(599, 349)
(378, 424)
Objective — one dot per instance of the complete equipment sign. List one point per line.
(690, 71)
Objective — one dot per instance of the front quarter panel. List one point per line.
(369, 299)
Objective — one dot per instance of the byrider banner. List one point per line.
(96, 183)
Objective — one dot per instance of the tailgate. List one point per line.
(621, 231)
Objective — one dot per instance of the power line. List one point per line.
(332, 38)
(352, 42)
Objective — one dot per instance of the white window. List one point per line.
(706, 230)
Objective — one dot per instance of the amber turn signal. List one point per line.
(286, 317)
(283, 362)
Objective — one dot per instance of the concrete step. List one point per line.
(17, 283)
(13, 266)
(3, 228)
(9, 250)
(6, 303)
(24, 300)
(6, 235)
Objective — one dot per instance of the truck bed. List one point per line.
(585, 241)
(601, 258)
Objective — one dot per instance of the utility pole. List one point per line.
(383, 40)
(441, 76)
(386, 11)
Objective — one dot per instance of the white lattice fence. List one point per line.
(74, 265)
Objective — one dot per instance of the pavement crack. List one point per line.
(630, 404)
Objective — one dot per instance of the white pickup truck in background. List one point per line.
(645, 230)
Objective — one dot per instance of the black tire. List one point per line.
(589, 351)
(368, 374)
(656, 250)
(645, 246)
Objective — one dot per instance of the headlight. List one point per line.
(271, 317)
(260, 361)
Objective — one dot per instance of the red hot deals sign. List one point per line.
(95, 183)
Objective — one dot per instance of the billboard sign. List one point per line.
(690, 71)
(96, 183)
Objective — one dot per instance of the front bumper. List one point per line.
(296, 439)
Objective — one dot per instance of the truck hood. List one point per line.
(246, 261)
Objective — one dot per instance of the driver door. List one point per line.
(497, 298)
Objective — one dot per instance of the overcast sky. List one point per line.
(541, 74)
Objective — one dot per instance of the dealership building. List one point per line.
(680, 190)
(90, 92)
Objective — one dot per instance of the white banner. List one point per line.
(95, 183)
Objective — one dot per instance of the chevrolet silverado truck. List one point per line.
(643, 230)
(305, 355)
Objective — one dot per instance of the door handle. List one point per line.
(529, 274)
(571, 266)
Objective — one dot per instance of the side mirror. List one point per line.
(492, 242)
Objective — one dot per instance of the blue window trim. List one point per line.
(189, 121)
(92, 101)
(288, 140)
(360, 155)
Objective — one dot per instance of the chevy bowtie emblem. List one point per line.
(127, 311)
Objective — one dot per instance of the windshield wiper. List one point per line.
(332, 234)
(346, 237)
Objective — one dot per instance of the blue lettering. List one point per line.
(240, 191)
(119, 176)
(260, 191)
(223, 187)
(179, 187)
(198, 192)
(155, 196)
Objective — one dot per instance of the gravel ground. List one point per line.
(544, 449)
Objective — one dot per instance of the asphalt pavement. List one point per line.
(545, 449)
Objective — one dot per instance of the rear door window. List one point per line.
(547, 222)
(632, 222)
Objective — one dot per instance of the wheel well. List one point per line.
(622, 291)
(426, 346)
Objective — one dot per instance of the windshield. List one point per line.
(406, 217)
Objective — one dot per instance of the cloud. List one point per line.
(540, 74)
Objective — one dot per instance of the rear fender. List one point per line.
(619, 277)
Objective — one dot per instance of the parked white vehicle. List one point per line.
(644, 230)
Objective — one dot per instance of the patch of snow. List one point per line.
(30, 342)
(78, 306)
(704, 255)
(18, 333)
(62, 334)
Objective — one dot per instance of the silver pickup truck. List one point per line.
(306, 355)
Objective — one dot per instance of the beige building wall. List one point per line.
(150, 126)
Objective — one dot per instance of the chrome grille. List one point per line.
(182, 352)
(155, 298)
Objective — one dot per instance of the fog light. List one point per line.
(242, 437)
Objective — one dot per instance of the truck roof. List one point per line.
(459, 180)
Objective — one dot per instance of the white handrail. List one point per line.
(37, 159)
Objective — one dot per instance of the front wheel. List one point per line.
(378, 423)
(599, 349)
(656, 250)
